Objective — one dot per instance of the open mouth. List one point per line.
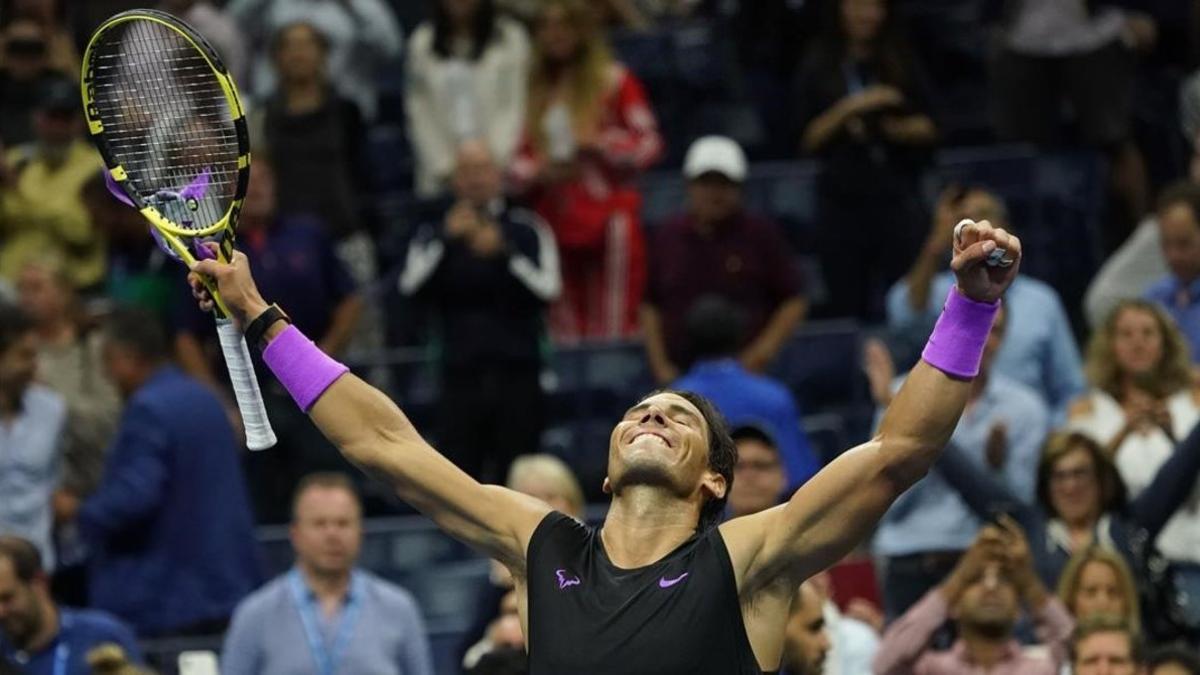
(662, 439)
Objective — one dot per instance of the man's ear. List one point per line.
(714, 484)
(606, 488)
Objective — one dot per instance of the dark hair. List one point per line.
(330, 480)
(482, 28)
(722, 452)
(137, 330)
(1059, 445)
(1104, 623)
(754, 432)
(715, 327)
(1181, 192)
(277, 40)
(891, 56)
(24, 556)
(1176, 654)
(15, 323)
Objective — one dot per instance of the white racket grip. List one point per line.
(259, 435)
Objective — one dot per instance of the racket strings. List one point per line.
(167, 122)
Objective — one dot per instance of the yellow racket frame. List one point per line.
(172, 231)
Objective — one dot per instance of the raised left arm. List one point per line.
(828, 516)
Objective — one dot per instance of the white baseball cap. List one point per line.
(715, 154)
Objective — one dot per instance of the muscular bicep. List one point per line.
(822, 522)
(372, 432)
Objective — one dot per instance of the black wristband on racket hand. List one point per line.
(257, 328)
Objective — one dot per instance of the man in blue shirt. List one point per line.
(1179, 229)
(32, 423)
(326, 615)
(169, 528)
(1003, 427)
(714, 330)
(39, 636)
(1039, 348)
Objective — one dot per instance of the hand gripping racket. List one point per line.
(165, 116)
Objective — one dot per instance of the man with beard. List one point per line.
(983, 596)
(36, 634)
(806, 640)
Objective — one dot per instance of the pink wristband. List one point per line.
(301, 367)
(956, 345)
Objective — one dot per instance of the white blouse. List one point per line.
(448, 101)
(1140, 457)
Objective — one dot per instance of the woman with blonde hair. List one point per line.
(589, 132)
(1098, 581)
(549, 479)
(1142, 403)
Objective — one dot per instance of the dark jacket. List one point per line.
(170, 528)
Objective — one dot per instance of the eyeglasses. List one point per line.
(27, 48)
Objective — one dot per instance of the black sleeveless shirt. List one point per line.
(588, 617)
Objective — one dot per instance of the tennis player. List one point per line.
(661, 587)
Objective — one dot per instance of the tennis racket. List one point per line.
(165, 116)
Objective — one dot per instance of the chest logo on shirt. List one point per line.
(667, 583)
(565, 579)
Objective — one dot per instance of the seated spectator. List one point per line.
(363, 36)
(1097, 581)
(219, 29)
(41, 209)
(39, 635)
(983, 595)
(1105, 645)
(23, 68)
(806, 640)
(1125, 274)
(1179, 233)
(1142, 402)
(714, 329)
(860, 101)
(1062, 53)
(315, 137)
(466, 78)
(1173, 660)
(169, 528)
(295, 259)
(71, 363)
(351, 620)
(759, 479)
(1039, 347)
(1081, 504)
(496, 626)
(716, 248)
(139, 273)
(589, 131)
(1002, 429)
(487, 272)
(52, 16)
(33, 423)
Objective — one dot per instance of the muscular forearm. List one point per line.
(345, 319)
(919, 422)
(778, 329)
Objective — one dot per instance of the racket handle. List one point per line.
(259, 435)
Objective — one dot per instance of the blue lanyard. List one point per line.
(327, 659)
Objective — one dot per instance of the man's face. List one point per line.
(123, 367)
(55, 129)
(327, 529)
(25, 49)
(1180, 237)
(477, 179)
(18, 365)
(1108, 653)
(758, 478)
(989, 605)
(663, 442)
(806, 640)
(713, 198)
(20, 613)
(41, 294)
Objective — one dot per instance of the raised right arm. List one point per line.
(372, 432)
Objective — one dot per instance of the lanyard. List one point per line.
(327, 658)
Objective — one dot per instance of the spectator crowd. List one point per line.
(516, 215)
